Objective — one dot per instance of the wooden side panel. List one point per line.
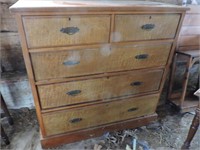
(49, 65)
(80, 118)
(66, 30)
(131, 83)
(145, 27)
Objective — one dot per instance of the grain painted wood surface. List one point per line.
(129, 27)
(52, 121)
(132, 83)
(12, 59)
(60, 122)
(91, 29)
(49, 65)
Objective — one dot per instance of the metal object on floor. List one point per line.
(10, 121)
(179, 98)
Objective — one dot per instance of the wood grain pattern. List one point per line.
(60, 122)
(49, 65)
(48, 34)
(129, 27)
(52, 60)
(55, 95)
(70, 137)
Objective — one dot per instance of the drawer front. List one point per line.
(66, 30)
(85, 117)
(56, 95)
(145, 27)
(50, 65)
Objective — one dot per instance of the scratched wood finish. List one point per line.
(44, 31)
(49, 65)
(131, 27)
(61, 121)
(56, 95)
(55, 129)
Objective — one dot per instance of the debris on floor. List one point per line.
(169, 132)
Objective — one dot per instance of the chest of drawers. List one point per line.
(95, 66)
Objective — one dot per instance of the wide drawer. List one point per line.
(145, 27)
(69, 63)
(51, 31)
(90, 116)
(75, 92)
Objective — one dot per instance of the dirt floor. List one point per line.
(169, 132)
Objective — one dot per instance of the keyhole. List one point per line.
(149, 17)
(69, 19)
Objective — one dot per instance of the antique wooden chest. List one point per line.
(95, 66)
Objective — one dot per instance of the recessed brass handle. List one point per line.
(148, 27)
(136, 83)
(75, 120)
(142, 56)
(70, 30)
(71, 63)
(74, 92)
(132, 109)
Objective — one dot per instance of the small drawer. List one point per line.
(49, 31)
(91, 116)
(69, 63)
(76, 92)
(145, 27)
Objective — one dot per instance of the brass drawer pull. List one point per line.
(71, 63)
(70, 30)
(76, 120)
(142, 56)
(132, 109)
(148, 27)
(137, 83)
(74, 92)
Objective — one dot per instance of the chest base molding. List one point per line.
(70, 137)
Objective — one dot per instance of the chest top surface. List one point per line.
(83, 5)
